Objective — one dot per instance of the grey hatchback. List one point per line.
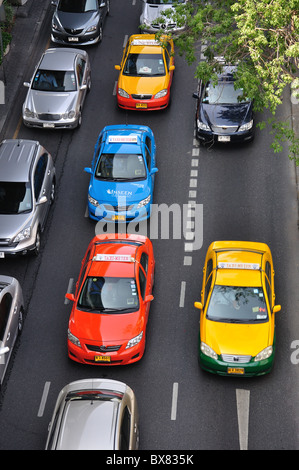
(11, 318)
(79, 21)
(27, 190)
(111, 423)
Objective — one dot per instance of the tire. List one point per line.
(20, 321)
(36, 249)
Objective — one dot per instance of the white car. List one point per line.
(152, 15)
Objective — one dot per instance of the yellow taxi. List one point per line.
(237, 309)
(145, 73)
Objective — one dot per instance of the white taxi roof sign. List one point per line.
(145, 42)
(122, 139)
(253, 266)
(118, 258)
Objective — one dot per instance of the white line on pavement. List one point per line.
(175, 390)
(182, 295)
(243, 416)
(44, 399)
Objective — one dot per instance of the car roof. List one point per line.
(88, 427)
(16, 156)
(123, 139)
(145, 43)
(113, 259)
(59, 59)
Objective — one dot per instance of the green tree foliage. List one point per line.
(262, 36)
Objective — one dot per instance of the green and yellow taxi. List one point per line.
(237, 309)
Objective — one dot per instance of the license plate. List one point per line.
(72, 39)
(48, 125)
(102, 358)
(235, 370)
(118, 217)
(223, 138)
(141, 105)
(2, 254)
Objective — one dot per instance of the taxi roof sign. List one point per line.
(122, 139)
(145, 42)
(254, 266)
(119, 258)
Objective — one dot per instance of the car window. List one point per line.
(144, 261)
(5, 306)
(39, 174)
(15, 198)
(80, 68)
(125, 430)
(208, 278)
(142, 281)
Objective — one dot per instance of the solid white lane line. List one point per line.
(69, 290)
(44, 399)
(243, 416)
(182, 295)
(175, 390)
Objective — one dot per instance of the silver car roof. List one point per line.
(16, 156)
(59, 59)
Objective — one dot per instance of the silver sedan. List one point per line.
(58, 89)
(111, 423)
(11, 319)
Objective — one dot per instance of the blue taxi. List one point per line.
(122, 174)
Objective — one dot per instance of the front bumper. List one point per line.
(20, 248)
(51, 124)
(106, 215)
(248, 369)
(92, 355)
(209, 137)
(153, 104)
(86, 39)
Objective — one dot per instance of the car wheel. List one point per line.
(20, 321)
(89, 84)
(100, 33)
(36, 250)
(53, 192)
(79, 119)
(108, 7)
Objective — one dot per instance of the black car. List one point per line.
(223, 113)
(79, 21)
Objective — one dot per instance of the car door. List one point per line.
(7, 330)
(82, 73)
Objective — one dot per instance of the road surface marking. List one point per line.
(44, 399)
(182, 296)
(175, 390)
(243, 416)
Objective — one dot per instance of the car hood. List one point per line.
(109, 192)
(151, 13)
(50, 102)
(106, 327)
(236, 338)
(225, 114)
(143, 85)
(12, 224)
(76, 20)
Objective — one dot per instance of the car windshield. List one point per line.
(77, 6)
(109, 295)
(144, 65)
(237, 304)
(54, 80)
(15, 198)
(223, 93)
(121, 167)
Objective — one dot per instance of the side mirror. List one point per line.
(4, 350)
(83, 87)
(153, 170)
(276, 308)
(149, 298)
(42, 200)
(26, 84)
(171, 68)
(198, 305)
(70, 297)
(88, 170)
(117, 67)
(195, 95)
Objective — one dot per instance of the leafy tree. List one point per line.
(262, 36)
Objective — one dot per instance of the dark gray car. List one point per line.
(27, 190)
(11, 319)
(94, 414)
(79, 21)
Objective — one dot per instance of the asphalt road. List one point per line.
(245, 192)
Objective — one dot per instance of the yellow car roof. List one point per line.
(239, 263)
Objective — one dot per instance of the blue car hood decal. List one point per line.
(109, 192)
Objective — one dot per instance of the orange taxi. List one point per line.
(111, 304)
(146, 73)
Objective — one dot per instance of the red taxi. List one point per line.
(111, 304)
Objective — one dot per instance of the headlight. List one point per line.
(205, 349)
(144, 202)
(93, 201)
(202, 126)
(73, 339)
(247, 126)
(92, 28)
(264, 354)
(123, 93)
(134, 341)
(28, 113)
(69, 115)
(161, 93)
(23, 235)
(55, 26)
